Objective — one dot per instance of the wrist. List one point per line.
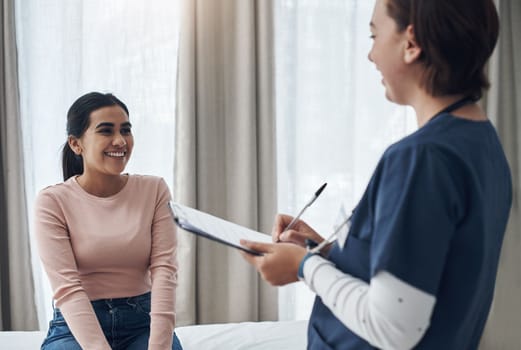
(300, 272)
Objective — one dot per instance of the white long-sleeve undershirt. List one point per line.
(388, 313)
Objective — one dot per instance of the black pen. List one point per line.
(296, 218)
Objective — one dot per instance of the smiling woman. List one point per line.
(111, 260)
(65, 49)
(417, 266)
(102, 150)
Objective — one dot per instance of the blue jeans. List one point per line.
(124, 321)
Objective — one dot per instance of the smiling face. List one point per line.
(394, 54)
(106, 145)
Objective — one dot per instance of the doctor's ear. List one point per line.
(74, 144)
(412, 51)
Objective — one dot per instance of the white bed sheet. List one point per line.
(288, 335)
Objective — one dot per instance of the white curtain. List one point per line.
(68, 48)
(333, 121)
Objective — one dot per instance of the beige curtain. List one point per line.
(503, 102)
(17, 308)
(225, 153)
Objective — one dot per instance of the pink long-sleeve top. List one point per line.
(112, 247)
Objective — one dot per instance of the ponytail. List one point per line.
(72, 164)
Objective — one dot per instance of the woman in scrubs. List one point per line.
(416, 267)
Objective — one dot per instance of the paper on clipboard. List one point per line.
(214, 228)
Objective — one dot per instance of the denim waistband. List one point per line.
(116, 301)
(121, 301)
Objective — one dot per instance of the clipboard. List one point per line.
(214, 228)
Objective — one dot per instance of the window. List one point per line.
(333, 120)
(68, 48)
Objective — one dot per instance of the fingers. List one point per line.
(257, 246)
(280, 223)
(281, 265)
(298, 234)
(292, 236)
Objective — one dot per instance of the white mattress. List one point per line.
(230, 336)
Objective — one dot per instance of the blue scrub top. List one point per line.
(434, 215)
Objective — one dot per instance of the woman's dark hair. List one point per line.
(78, 119)
(457, 38)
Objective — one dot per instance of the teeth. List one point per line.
(115, 154)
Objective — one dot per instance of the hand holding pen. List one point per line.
(284, 218)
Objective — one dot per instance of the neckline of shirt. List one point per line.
(80, 189)
(455, 117)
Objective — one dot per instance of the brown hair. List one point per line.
(457, 38)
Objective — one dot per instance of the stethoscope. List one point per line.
(452, 107)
